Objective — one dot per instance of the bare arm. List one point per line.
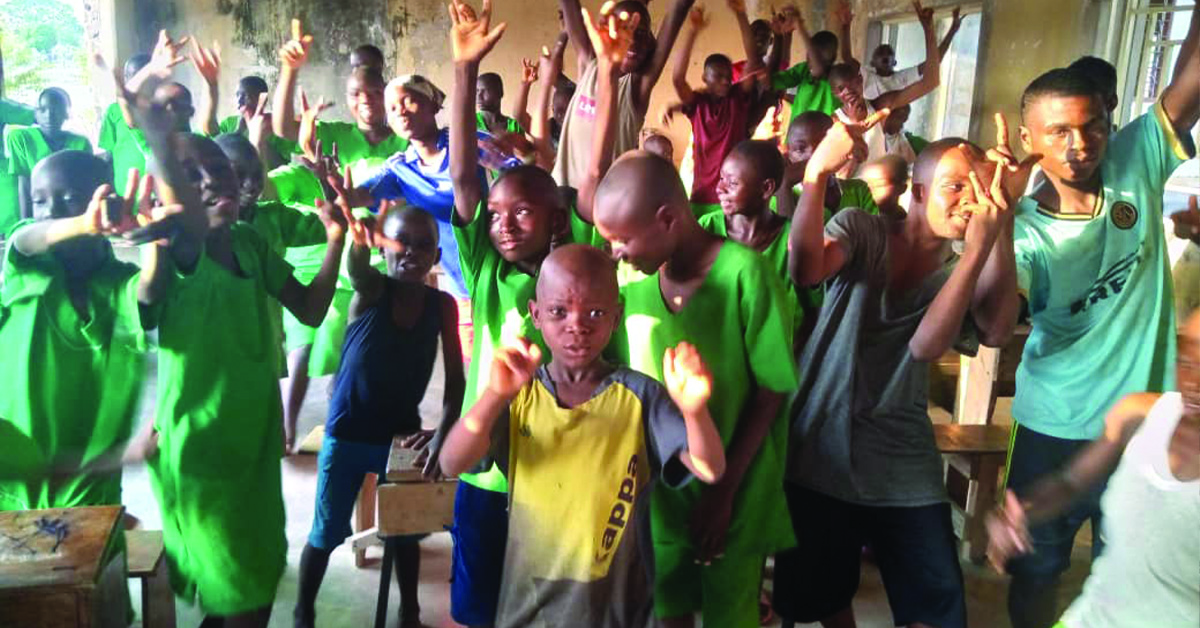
(754, 62)
(310, 303)
(667, 33)
(455, 384)
(24, 196)
(683, 55)
(207, 62)
(529, 76)
(944, 47)
(549, 68)
(293, 55)
(1181, 99)
(572, 15)
(366, 281)
(845, 18)
(931, 77)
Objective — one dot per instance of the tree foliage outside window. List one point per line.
(43, 45)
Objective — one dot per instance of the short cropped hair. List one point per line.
(1062, 82)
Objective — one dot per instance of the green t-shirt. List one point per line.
(738, 321)
(500, 294)
(855, 194)
(812, 94)
(10, 205)
(776, 254)
(217, 475)
(284, 147)
(25, 147)
(70, 390)
(354, 150)
(119, 140)
(510, 126)
(1100, 289)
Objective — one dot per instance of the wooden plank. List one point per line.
(976, 381)
(56, 547)
(400, 463)
(971, 439)
(415, 507)
(158, 600)
(144, 549)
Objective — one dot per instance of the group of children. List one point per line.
(607, 335)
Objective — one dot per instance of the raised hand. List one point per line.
(699, 18)
(1008, 532)
(294, 52)
(307, 136)
(842, 143)
(989, 210)
(924, 15)
(611, 35)
(168, 52)
(513, 368)
(844, 15)
(737, 6)
(529, 71)
(1187, 222)
(471, 35)
(207, 61)
(551, 60)
(956, 18)
(1016, 173)
(109, 215)
(258, 126)
(787, 20)
(367, 231)
(686, 377)
(344, 191)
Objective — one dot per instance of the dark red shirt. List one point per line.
(718, 124)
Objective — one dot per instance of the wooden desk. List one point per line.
(406, 504)
(974, 456)
(990, 374)
(63, 567)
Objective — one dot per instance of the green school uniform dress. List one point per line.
(11, 113)
(216, 474)
(284, 147)
(119, 140)
(812, 94)
(284, 227)
(363, 159)
(25, 147)
(1100, 289)
(776, 254)
(70, 387)
(500, 294)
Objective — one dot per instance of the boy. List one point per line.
(805, 132)
(489, 92)
(249, 98)
(369, 56)
(863, 468)
(640, 71)
(880, 76)
(223, 525)
(899, 142)
(26, 146)
(694, 279)
(503, 236)
(660, 145)
(11, 113)
(389, 355)
(1151, 448)
(847, 83)
(720, 113)
(70, 315)
(887, 179)
(809, 78)
(1091, 257)
(574, 551)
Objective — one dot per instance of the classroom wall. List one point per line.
(1020, 39)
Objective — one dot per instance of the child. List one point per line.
(863, 468)
(660, 145)
(503, 236)
(805, 132)
(389, 355)
(639, 73)
(887, 179)
(695, 279)
(899, 142)
(223, 524)
(1091, 257)
(1151, 447)
(720, 113)
(26, 146)
(70, 315)
(880, 76)
(10, 205)
(489, 92)
(574, 550)
(847, 83)
(367, 55)
(809, 78)
(250, 96)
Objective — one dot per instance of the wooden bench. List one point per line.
(974, 455)
(148, 563)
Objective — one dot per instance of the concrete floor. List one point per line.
(348, 595)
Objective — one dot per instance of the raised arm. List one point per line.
(932, 75)
(816, 66)
(471, 39)
(469, 440)
(667, 33)
(689, 383)
(549, 68)
(292, 56)
(698, 18)
(812, 257)
(310, 303)
(453, 390)
(367, 281)
(529, 76)
(1181, 99)
(1008, 526)
(572, 18)
(611, 38)
(106, 215)
(207, 62)
(845, 17)
(754, 61)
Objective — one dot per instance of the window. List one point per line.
(947, 111)
(1153, 33)
(43, 45)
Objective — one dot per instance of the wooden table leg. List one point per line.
(981, 498)
(385, 582)
(364, 515)
(158, 600)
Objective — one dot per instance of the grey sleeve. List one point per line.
(862, 236)
(666, 432)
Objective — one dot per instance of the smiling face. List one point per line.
(740, 189)
(524, 210)
(637, 241)
(761, 31)
(364, 98)
(643, 38)
(51, 111)
(1072, 134)
(577, 306)
(410, 244)
(410, 113)
(212, 176)
(944, 189)
(849, 90)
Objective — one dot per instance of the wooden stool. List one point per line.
(365, 534)
(974, 456)
(406, 504)
(148, 563)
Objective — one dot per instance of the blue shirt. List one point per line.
(429, 188)
(1099, 289)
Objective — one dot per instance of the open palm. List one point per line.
(470, 37)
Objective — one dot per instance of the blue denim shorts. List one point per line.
(341, 466)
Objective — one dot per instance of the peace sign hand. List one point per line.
(471, 35)
(529, 71)
(1187, 222)
(611, 35)
(841, 144)
(1016, 173)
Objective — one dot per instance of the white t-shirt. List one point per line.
(876, 146)
(875, 85)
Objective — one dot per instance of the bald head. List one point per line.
(579, 267)
(637, 185)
